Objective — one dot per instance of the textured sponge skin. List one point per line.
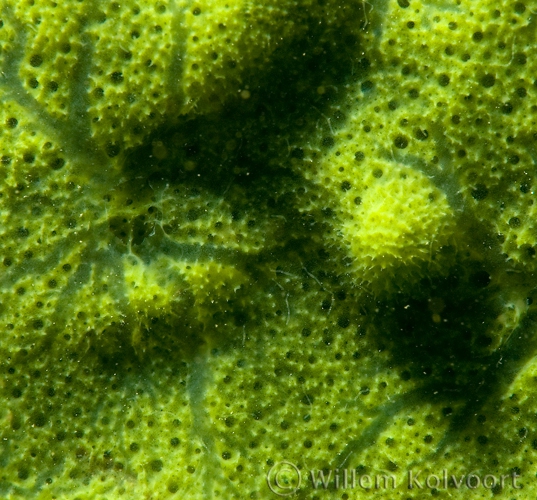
(237, 233)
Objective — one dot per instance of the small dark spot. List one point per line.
(488, 80)
(413, 93)
(514, 222)
(11, 122)
(403, 3)
(345, 185)
(359, 156)
(520, 8)
(28, 157)
(134, 447)
(116, 77)
(377, 173)
(112, 149)
(482, 439)
(196, 11)
(443, 80)
(477, 36)
(39, 420)
(156, 465)
(357, 200)
(36, 60)
(57, 163)
(410, 24)
(420, 134)
(520, 58)
(343, 322)
(307, 399)
(23, 474)
(514, 159)
(400, 142)
(521, 92)
(328, 142)
(480, 192)
(367, 85)
(507, 108)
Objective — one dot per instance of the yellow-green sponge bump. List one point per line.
(395, 225)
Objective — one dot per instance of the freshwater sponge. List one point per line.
(177, 316)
